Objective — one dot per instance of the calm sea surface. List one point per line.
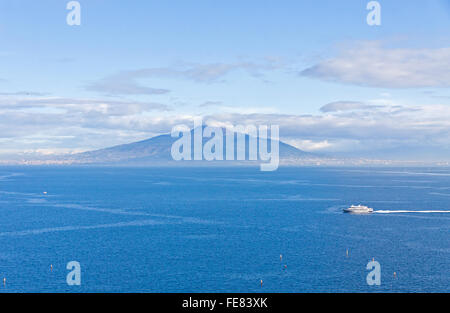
(223, 229)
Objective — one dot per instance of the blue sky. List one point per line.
(133, 69)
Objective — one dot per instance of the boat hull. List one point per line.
(351, 211)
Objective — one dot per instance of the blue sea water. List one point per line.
(223, 229)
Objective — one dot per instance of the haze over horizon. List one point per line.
(132, 71)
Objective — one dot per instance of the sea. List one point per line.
(227, 229)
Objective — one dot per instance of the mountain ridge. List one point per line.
(158, 150)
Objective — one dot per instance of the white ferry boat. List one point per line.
(358, 209)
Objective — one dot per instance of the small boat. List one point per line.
(358, 209)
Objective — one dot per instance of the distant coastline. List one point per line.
(156, 151)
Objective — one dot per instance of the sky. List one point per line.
(134, 69)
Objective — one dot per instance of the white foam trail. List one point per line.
(409, 211)
(440, 194)
(72, 228)
(7, 176)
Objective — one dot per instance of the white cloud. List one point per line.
(123, 84)
(62, 124)
(203, 73)
(210, 104)
(71, 105)
(309, 145)
(127, 82)
(345, 106)
(371, 64)
(376, 128)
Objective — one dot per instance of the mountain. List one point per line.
(157, 151)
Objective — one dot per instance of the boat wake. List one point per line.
(409, 211)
